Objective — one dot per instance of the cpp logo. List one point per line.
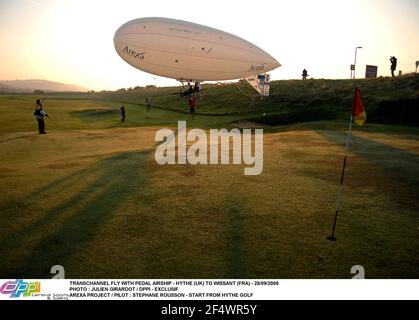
(20, 287)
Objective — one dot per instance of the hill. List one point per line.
(26, 86)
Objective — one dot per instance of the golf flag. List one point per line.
(359, 116)
(358, 110)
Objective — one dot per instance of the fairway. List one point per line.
(90, 196)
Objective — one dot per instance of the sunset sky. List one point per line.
(72, 41)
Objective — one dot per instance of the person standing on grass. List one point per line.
(148, 102)
(122, 109)
(197, 87)
(393, 67)
(40, 114)
(191, 103)
(305, 74)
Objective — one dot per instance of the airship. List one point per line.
(190, 52)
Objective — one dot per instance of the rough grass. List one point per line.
(390, 101)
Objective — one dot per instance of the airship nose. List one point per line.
(119, 32)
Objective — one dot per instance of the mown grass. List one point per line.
(85, 114)
(103, 208)
(89, 196)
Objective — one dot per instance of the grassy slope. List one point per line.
(388, 100)
(95, 201)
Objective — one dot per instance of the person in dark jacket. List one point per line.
(148, 103)
(123, 114)
(40, 114)
(393, 67)
(191, 103)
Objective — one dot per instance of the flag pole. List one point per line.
(339, 195)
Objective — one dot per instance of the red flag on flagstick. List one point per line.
(359, 116)
(358, 110)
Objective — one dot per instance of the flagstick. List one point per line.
(348, 142)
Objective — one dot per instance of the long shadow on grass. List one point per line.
(44, 193)
(83, 215)
(234, 236)
(51, 215)
(95, 115)
(395, 163)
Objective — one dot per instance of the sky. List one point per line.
(71, 41)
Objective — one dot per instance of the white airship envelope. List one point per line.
(187, 51)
